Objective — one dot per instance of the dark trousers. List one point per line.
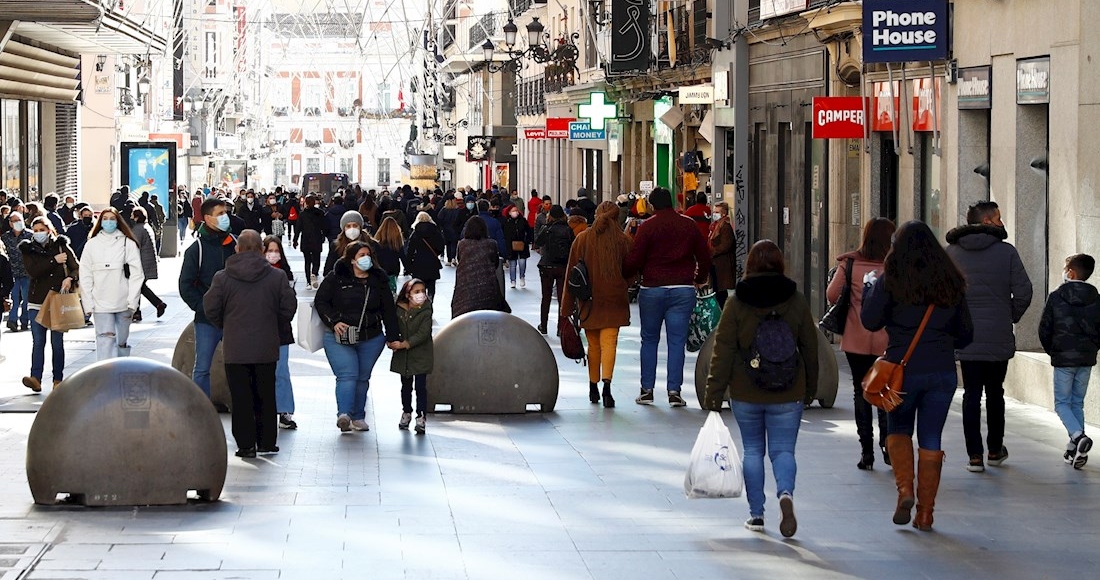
(290, 227)
(421, 383)
(429, 285)
(148, 293)
(990, 377)
(551, 278)
(860, 364)
(252, 389)
(452, 250)
(313, 262)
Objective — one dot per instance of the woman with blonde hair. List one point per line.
(603, 248)
(391, 244)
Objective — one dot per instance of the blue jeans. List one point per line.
(38, 350)
(513, 265)
(773, 428)
(925, 403)
(207, 337)
(1070, 386)
(182, 224)
(284, 391)
(671, 307)
(19, 305)
(352, 365)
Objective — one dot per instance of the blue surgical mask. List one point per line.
(109, 226)
(223, 222)
(470, 206)
(364, 263)
(41, 237)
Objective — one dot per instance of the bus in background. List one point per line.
(324, 185)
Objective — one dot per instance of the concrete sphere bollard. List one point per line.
(126, 431)
(183, 360)
(828, 374)
(492, 362)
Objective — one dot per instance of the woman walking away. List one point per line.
(113, 279)
(723, 264)
(861, 346)
(422, 251)
(284, 389)
(919, 282)
(476, 285)
(451, 220)
(390, 246)
(517, 238)
(767, 396)
(413, 357)
(356, 304)
(312, 231)
(555, 240)
(603, 249)
(143, 237)
(51, 265)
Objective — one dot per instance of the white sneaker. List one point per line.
(522, 282)
(360, 425)
(344, 423)
(513, 283)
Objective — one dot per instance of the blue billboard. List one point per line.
(905, 30)
(149, 168)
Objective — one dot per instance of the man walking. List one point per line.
(201, 261)
(249, 301)
(998, 292)
(673, 257)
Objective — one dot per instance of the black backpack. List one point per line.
(556, 252)
(772, 359)
(580, 285)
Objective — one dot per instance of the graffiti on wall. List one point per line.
(741, 222)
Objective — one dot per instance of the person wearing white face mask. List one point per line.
(113, 277)
(51, 265)
(351, 230)
(413, 357)
(518, 235)
(18, 318)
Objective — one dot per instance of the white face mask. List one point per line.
(1065, 276)
(17, 226)
(419, 298)
(514, 214)
(352, 233)
(273, 258)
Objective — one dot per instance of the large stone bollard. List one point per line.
(183, 360)
(492, 362)
(828, 375)
(126, 431)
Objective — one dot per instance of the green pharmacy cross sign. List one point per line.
(598, 111)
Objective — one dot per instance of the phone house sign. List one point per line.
(905, 30)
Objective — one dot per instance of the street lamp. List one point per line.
(534, 32)
(143, 89)
(565, 55)
(510, 30)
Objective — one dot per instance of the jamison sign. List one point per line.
(905, 30)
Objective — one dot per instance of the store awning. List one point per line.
(81, 27)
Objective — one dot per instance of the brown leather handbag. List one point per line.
(882, 384)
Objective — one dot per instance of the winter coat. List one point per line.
(251, 215)
(554, 240)
(201, 260)
(449, 222)
(700, 214)
(517, 230)
(724, 256)
(11, 246)
(266, 215)
(105, 287)
(476, 285)
(1070, 327)
(421, 255)
(399, 217)
(251, 302)
(533, 206)
(7, 282)
(998, 289)
(856, 339)
(610, 304)
(341, 296)
(669, 251)
(312, 229)
(754, 298)
(148, 252)
(416, 328)
(45, 273)
(948, 329)
(496, 233)
(77, 233)
(388, 259)
(332, 221)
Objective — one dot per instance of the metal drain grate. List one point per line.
(16, 560)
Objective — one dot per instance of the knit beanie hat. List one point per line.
(351, 217)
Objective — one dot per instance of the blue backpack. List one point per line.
(772, 359)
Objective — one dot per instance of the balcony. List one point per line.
(313, 143)
(280, 111)
(558, 77)
(487, 26)
(347, 143)
(312, 111)
(345, 111)
(518, 7)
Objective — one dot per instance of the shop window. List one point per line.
(11, 150)
(34, 149)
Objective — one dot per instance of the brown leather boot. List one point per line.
(929, 467)
(900, 448)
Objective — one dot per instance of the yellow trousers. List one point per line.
(602, 344)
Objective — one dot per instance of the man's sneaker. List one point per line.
(788, 525)
(754, 524)
(286, 421)
(344, 423)
(360, 425)
(523, 282)
(645, 398)
(33, 383)
(1068, 456)
(1081, 457)
(403, 424)
(997, 459)
(976, 464)
(675, 400)
(421, 424)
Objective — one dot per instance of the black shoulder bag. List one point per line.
(837, 315)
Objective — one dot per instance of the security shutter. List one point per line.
(67, 168)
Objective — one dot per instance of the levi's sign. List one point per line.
(905, 30)
(839, 117)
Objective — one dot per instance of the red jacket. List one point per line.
(700, 212)
(669, 250)
(533, 206)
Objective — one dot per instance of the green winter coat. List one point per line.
(416, 327)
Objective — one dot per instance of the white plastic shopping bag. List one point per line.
(311, 330)
(715, 467)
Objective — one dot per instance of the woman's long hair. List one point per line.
(919, 271)
(476, 229)
(607, 242)
(283, 263)
(389, 235)
(764, 257)
(876, 239)
(122, 227)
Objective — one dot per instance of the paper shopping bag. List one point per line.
(43, 317)
(66, 312)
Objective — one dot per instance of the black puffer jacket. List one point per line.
(340, 299)
(1070, 327)
(422, 251)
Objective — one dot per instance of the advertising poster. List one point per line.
(150, 171)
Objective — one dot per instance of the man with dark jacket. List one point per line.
(998, 291)
(250, 212)
(673, 257)
(249, 301)
(332, 218)
(78, 231)
(312, 233)
(585, 205)
(201, 261)
(49, 204)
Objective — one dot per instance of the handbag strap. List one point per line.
(363, 314)
(920, 331)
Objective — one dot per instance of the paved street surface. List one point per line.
(579, 493)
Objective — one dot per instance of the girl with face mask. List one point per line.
(356, 305)
(518, 236)
(51, 265)
(413, 356)
(112, 284)
(284, 389)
